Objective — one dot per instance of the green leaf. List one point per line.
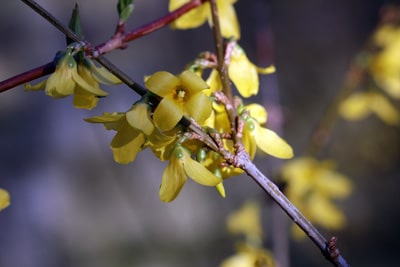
(75, 24)
(125, 8)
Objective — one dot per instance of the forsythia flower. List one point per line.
(198, 16)
(242, 72)
(267, 140)
(248, 256)
(4, 199)
(360, 105)
(80, 79)
(132, 129)
(247, 221)
(175, 175)
(384, 65)
(180, 95)
(311, 186)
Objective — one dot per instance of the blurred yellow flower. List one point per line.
(250, 253)
(4, 199)
(175, 175)
(198, 16)
(247, 221)
(359, 105)
(250, 257)
(384, 64)
(180, 95)
(312, 186)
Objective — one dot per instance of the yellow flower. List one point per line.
(180, 95)
(312, 186)
(247, 221)
(384, 66)
(250, 257)
(132, 128)
(267, 140)
(175, 175)
(198, 16)
(4, 199)
(244, 74)
(359, 105)
(80, 79)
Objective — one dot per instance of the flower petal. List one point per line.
(243, 73)
(192, 82)
(36, 87)
(102, 75)
(355, 107)
(385, 110)
(269, 142)
(173, 179)
(325, 213)
(83, 99)
(85, 80)
(228, 20)
(111, 121)
(4, 199)
(198, 172)
(126, 143)
(162, 83)
(139, 117)
(167, 114)
(258, 112)
(193, 18)
(198, 107)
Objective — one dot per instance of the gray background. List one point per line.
(73, 206)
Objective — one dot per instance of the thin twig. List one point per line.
(322, 131)
(223, 70)
(115, 42)
(243, 161)
(114, 69)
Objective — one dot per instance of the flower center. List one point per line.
(181, 94)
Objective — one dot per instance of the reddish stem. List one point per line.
(27, 76)
(115, 42)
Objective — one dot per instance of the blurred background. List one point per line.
(72, 205)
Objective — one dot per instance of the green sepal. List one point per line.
(125, 9)
(74, 24)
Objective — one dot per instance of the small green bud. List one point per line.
(125, 9)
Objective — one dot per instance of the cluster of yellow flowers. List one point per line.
(189, 95)
(159, 129)
(383, 66)
(155, 123)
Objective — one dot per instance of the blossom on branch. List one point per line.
(180, 96)
(175, 175)
(80, 79)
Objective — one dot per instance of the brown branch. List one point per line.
(117, 41)
(27, 76)
(328, 249)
